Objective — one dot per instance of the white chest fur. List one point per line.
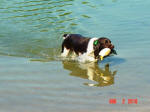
(90, 45)
(89, 55)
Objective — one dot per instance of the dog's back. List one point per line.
(75, 42)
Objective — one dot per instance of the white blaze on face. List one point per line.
(90, 45)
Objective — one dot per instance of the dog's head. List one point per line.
(102, 43)
(105, 43)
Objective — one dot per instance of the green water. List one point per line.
(34, 79)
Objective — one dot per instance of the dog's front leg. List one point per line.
(65, 52)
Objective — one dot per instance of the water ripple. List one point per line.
(27, 21)
(44, 19)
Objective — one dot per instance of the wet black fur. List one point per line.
(76, 43)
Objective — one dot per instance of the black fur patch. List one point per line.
(76, 43)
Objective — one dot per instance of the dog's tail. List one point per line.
(65, 36)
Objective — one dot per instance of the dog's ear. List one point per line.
(96, 44)
(96, 48)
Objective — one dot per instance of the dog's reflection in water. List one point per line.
(91, 71)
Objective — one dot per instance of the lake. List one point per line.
(34, 78)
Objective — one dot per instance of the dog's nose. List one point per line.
(111, 46)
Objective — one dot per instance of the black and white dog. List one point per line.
(79, 45)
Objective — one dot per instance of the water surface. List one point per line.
(35, 79)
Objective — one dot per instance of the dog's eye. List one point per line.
(106, 41)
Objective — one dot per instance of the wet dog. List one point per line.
(80, 45)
